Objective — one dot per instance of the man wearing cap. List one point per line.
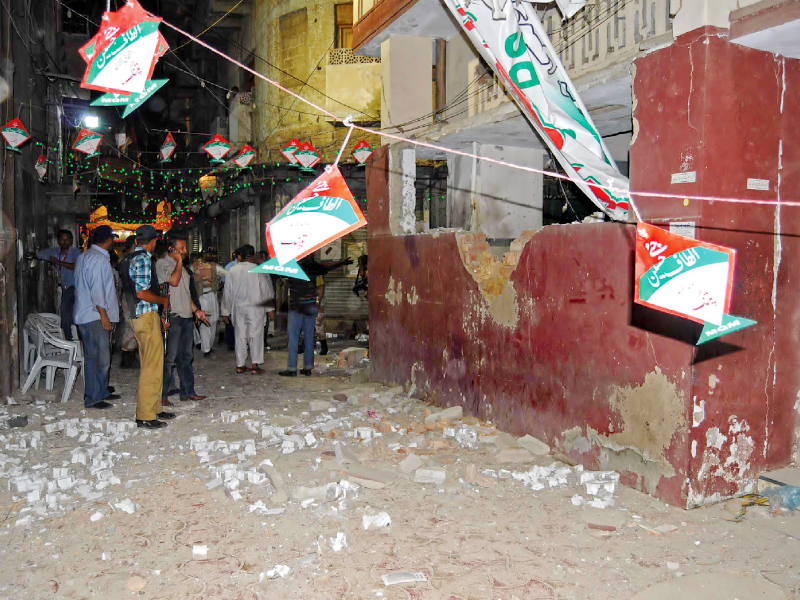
(96, 311)
(146, 324)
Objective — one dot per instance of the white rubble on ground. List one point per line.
(48, 480)
(600, 486)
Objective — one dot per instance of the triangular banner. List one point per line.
(289, 269)
(167, 148)
(15, 134)
(687, 278)
(323, 212)
(88, 142)
(122, 55)
(217, 147)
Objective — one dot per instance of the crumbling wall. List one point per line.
(539, 341)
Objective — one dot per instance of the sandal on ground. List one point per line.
(256, 370)
(240, 370)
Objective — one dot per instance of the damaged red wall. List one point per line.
(728, 114)
(563, 354)
(555, 354)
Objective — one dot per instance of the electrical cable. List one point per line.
(269, 64)
(630, 193)
(210, 27)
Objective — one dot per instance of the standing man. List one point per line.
(246, 300)
(207, 279)
(96, 311)
(64, 257)
(142, 279)
(304, 300)
(230, 334)
(183, 312)
(125, 337)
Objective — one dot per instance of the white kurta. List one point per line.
(246, 299)
(209, 303)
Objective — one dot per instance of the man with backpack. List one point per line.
(140, 283)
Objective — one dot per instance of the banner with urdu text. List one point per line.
(519, 51)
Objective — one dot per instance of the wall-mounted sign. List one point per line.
(687, 278)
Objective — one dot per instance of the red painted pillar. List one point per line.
(708, 116)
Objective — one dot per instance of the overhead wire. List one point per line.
(271, 65)
(499, 162)
(210, 27)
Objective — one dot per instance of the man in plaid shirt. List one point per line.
(147, 329)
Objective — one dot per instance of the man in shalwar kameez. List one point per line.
(246, 301)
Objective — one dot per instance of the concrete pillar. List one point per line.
(407, 92)
(725, 124)
(402, 189)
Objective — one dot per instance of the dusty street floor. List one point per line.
(491, 539)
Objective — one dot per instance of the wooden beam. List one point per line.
(377, 19)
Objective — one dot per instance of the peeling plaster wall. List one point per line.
(540, 342)
(729, 113)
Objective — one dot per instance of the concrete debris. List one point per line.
(97, 516)
(199, 551)
(261, 509)
(533, 445)
(371, 478)
(136, 583)
(372, 519)
(351, 357)
(274, 573)
(399, 578)
(513, 456)
(430, 475)
(321, 405)
(448, 414)
(126, 506)
(339, 542)
(410, 463)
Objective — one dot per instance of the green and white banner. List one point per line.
(15, 134)
(687, 278)
(511, 38)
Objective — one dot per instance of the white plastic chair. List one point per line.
(66, 357)
(48, 321)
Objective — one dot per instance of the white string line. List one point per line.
(475, 156)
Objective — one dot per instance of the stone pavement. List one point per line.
(322, 488)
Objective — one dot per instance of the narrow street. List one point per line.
(299, 532)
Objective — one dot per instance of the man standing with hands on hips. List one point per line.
(141, 279)
(183, 312)
(96, 311)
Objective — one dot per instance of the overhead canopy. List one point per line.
(163, 219)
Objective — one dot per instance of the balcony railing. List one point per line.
(345, 56)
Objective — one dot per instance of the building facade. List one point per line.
(533, 326)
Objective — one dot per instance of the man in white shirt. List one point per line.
(246, 301)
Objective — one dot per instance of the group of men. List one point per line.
(167, 304)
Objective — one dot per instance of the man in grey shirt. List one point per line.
(183, 312)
